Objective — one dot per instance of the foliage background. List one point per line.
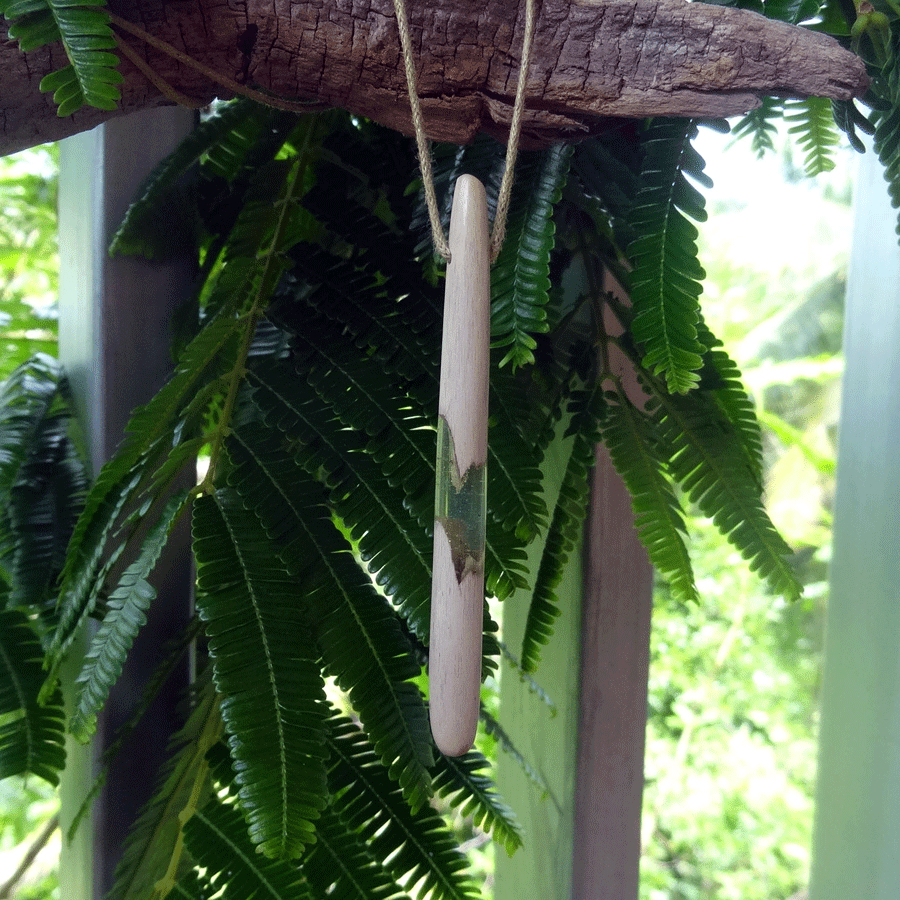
(731, 735)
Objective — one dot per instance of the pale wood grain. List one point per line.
(457, 599)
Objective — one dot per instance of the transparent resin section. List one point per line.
(460, 505)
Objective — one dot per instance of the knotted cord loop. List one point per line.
(498, 233)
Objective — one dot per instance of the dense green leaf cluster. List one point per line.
(306, 384)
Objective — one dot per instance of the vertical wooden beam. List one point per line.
(547, 738)
(615, 659)
(856, 848)
(115, 339)
(583, 839)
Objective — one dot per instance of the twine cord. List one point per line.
(498, 232)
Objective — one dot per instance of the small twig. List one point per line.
(31, 854)
(156, 79)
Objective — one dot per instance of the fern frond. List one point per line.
(520, 279)
(566, 526)
(155, 220)
(493, 727)
(514, 477)
(848, 118)
(721, 379)
(886, 116)
(42, 476)
(153, 850)
(360, 639)
(811, 124)
(459, 780)
(216, 838)
(148, 446)
(666, 276)
(82, 26)
(264, 664)
(340, 867)
(173, 656)
(32, 735)
(658, 516)
(398, 547)
(416, 848)
(760, 125)
(709, 461)
(126, 613)
(534, 687)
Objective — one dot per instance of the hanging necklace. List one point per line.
(457, 587)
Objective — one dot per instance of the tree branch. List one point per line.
(31, 854)
(592, 59)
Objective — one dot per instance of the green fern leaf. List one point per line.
(264, 663)
(721, 379)
(396, 544)
(32, 735)
(83, 28)
(848, 118)
(493, 728)
(416, 848)
(151, 855)
(566, 526)
(811, 123)
(528, 679)
(126, 609)
(520, 279)
(42, 476)
(886, 116)
(173, 659)
(666, 276)
(760, 125)
(361, 642)
(658, 516)
(340, 867)
(147, 447)
(709, 461)
(216, 838)
(460, 782)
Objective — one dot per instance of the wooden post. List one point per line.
(856, 848)
(115, 338)
(583, 838)
(615, 661)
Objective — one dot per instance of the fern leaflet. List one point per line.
(32, 735)
(811, 123)
(520, 279)
(126, 609)
(264, 664)
(82, 26)
(658, 517)
(666, 276)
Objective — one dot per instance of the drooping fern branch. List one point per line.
(82, 26)
(307, 380)
(665, 281)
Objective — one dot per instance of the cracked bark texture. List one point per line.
(592, 59)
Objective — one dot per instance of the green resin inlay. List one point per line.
(460, 505)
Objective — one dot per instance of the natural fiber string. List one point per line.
(498, 232)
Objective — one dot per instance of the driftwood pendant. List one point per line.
(457, 589)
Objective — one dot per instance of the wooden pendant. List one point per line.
(457, 590)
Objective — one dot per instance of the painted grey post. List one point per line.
(856, 853)
(115, 342)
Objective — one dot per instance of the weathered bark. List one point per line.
(592, 59)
